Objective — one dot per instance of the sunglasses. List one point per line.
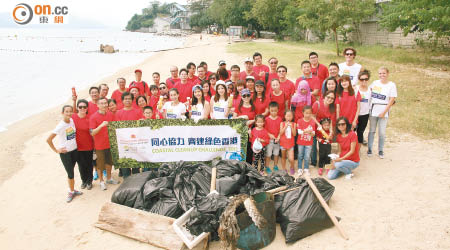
(161, 88)
(245, 96)
(364, 79)
(349, 54)
(82, 107)
(341, 124)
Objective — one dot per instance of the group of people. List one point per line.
(324, 105)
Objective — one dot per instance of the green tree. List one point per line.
(292, 27)
(333, 15)
(417, 16)
(201, 17)
(233, 13)
(267, 13)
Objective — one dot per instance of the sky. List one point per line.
(113, 14)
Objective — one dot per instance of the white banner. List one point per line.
(178, 143)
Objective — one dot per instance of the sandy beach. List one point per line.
(400, 202)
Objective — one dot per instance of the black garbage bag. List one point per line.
(230, 185)
(167, 204)
(229, 167)
(151, 190)
(130, 191)
(281, 178)
(183, 188)
(202, 180)
(301, 213)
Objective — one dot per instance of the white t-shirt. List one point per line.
(381, 93)
(352, 71)
(219, 109)
(174, 112)
(197, 111)
(365, 101)
(66, 135)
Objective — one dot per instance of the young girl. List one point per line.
(246, 109)
(277, 95)
(288, 130)
(67, 149)
(219, 103)
(259, 133)
(174, 109)
(324, 144)
(260, 99)
(363, 89)
(305, 128)
(301, 98)
(347, 101)
(200, 107)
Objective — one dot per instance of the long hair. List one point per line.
(348, 126)
(195, 100)
(217, 96)
(223, 74)
(340, 89)
(331, 78)
(331, 107)
(209, 86)
(241, 103)
(263, 94)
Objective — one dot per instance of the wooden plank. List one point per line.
(140, 225)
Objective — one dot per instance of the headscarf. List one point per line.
(298, 97)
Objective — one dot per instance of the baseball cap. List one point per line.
(245, 92)
(195, 87)
(220, 82)
(138, 70)
(248, 59)
(222, 62)
(249, 77)
(259, 82)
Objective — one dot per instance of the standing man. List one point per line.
(173, 79)
(235, 71)
(248, 70)
(117, 94)
(92, 105)
(205, 66)
(104, 89)
(259, 68)
(286, 85)
(191, 73)
(313, 81)
(141, 85)
(201, 75)
(273, 74)
(350, 67)
(318, 69)
(156, 78)
(98, 125)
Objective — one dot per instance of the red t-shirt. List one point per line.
(285, 142)
(192, 80)
(185, 91)
(321, 112)
(142, 86)
(261, 134)
(101, 139)
(128, 115)
(348, 105)
(245, 111)
(313, 83)
(117, 95)
(92, 108)
(208, 73)
(269, 80)
(345, 144)
(260, 106)
(170, 82)
(237, 101)
(244, 75)
(83, 137)
(273, 126)
(281, 100)
(288, 87)
(320, 72)
(259, 68)
(305, 139)
(299, 110)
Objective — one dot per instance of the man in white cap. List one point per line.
(248, 70)
(223, 65)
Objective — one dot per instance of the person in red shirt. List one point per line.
(259, 68)
(104, 89)
(173, 79)
(206, 88)
(348, 151)
(141, 102)
(153, 100)
(246, 109)
(301, 98)
(85, 144)
(326, 108)
(277, 95)
(201, 75)
(250, 84)
(94, 93)
(135, 92)
(285, 84)
(317, 69)
(112, 106)
(156, 77)
(223, 66)
(288, 131)
(306, 130)
(313, 81)
(148, 114)
(260, 99)
(98, 124)
(333, 70)
(117, 94)
(248, 70)
(272, 126)
(330, 83)
(184, 87)
(259, 133)
(240, 85)
(235, 71)
(348, 102)
(142, 85)
(191, 78)
(205, 66)
(212, 83)
(128, 113)
(272, 74)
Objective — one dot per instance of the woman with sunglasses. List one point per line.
(348, 158)
(350, 67)
(246, 110)
(326, 108)
(365, 92)
(212, 83)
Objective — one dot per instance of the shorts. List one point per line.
(68, 160)
(282, 148)
(103, 157)
(272, 149)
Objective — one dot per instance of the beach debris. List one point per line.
(107, 48)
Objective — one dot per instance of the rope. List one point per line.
(229, 230)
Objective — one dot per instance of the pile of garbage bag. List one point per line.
(174, 188)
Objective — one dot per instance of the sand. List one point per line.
(400, 202)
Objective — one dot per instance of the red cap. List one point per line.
(138, 70)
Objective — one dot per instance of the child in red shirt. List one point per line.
(259, 133)
(273, 128)
(279, 96)
(305, 127)
(288, 130)
(148, 113)
(324, 143)
(153, 100)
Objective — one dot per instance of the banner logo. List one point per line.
(22, 13)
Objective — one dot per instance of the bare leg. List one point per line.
(291, 157)
(275, 160)
(283, 159)
(108, 171)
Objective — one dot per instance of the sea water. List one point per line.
(38, 67)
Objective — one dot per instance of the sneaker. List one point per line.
(112, 181)
(275, 168)
(349, 176)
(300, 172)
(104, 174)
(89, 186)
(83, 185)
(268, 170)
(292, 171)
(381, 154)
(102, 185)
(306, 171)
(76, 192)
(369, 153)
(320, 171)
(70, 196)
(95, 175)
